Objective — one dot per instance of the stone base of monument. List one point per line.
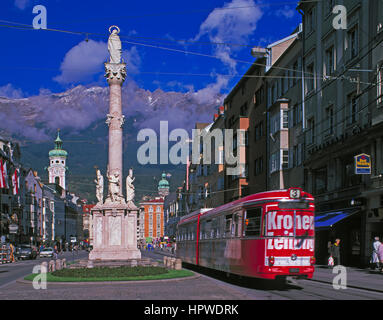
(143, 262)
(115, 232)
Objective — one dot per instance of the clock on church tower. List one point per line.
(57, 163)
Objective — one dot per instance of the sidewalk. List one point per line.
(366, 279)
(164, 252)
(357, 278)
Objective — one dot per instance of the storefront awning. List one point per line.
(326, 220)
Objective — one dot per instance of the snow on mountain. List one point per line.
(75, 110)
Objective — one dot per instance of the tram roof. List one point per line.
(261, 196)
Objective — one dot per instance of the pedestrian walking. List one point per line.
(55, 252)
(335, 252)
(12, 250)
(375, 258)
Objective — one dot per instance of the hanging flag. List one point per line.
(5, 175)
(2, 179)
(15, 182)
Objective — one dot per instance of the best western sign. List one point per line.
(362, 164)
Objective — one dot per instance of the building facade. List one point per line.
(342, 120)
(153, 218)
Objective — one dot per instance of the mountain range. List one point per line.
(80, 114)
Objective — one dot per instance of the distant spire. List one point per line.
(58, 141)
(58, 150)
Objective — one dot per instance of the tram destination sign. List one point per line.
(362, 164)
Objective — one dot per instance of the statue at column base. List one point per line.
(114, 195)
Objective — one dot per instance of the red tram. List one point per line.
(265, 235)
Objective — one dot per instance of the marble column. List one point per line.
(115, 220)
(115, 74)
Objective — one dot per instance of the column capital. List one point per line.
(115, 72)
(120, 120)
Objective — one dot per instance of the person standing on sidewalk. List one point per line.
(375, 258)
(380, 255)
(335, 252)
(12, 250)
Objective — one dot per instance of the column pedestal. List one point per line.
(114, 232)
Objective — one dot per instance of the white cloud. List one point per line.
(205, 95)
(9, 91)
(235, 22)
(86, 59)
(82, 62)
(286, 12)
(21, 4)
(132, 60)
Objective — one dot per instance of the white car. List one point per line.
(47, 253)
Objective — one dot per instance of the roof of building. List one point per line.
(159, 200)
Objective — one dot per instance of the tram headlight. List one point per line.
(271, 261)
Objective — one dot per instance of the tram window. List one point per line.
(208, 229)
(237, 223)
(193, 231)
(214, 228)
(228, 220)
(203, 230)
(253, 222)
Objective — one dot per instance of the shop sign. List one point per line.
(362, 164)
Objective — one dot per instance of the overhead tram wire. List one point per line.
(371, 85)
(87, 34)
(189, 52)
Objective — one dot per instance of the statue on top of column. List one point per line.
(114, 45)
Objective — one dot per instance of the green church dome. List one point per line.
(163, 184)
(58, 151)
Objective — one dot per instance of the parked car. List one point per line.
(26, 251)
(46, 253)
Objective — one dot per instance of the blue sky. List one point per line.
(34, 62)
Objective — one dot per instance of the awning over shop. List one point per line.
(326, 220)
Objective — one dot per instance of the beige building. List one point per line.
(205, 180)
(285, 114)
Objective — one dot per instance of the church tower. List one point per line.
(163, 186)
(57, 163)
